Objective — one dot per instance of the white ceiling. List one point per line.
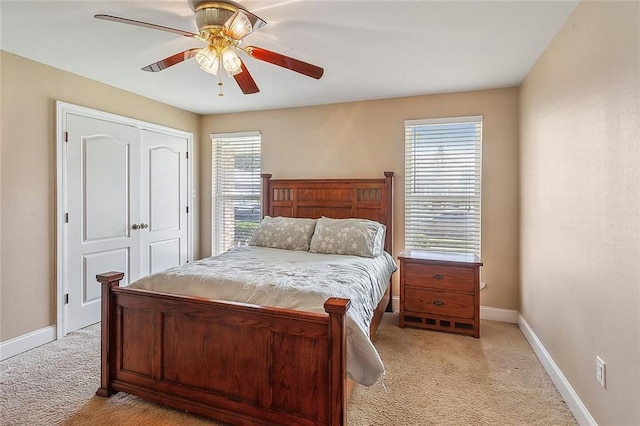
(369, 49)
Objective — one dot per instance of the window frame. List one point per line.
(456, 169)
(223, 199)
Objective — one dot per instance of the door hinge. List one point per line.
(187, 155)
(66, 218)
(66, 299)
(187, 209)
(66, 136)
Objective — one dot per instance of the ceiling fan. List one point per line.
(223, 24)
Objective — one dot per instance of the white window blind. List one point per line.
(235, 187)
(443, 164)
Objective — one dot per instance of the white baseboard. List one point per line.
(395, 303)
(580, 412)
(498, 314)
(27, 341)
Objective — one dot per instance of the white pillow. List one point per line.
(288, 233)
(357, 237)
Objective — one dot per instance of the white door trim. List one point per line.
(62, 110)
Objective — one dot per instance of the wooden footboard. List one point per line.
(238, 363)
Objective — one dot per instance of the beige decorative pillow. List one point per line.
(357, 237)
(285, 233)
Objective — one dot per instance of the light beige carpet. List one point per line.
(432, 379)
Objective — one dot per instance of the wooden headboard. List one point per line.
(337, 198)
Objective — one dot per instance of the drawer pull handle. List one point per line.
(438, 276)
(438, 303)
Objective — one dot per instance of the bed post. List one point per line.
(388, 208)
(108, 281)
(388, 244)
(337, 309)
(265, 194)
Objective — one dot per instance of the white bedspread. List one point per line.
(294, 280)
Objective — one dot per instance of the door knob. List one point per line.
(143, 226)
(135, 226)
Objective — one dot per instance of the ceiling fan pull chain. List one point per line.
(220, 78)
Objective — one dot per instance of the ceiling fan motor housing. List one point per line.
(213, 14)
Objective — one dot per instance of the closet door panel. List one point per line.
(102, 204)
(105, 187)
(165, 201)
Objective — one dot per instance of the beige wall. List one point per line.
(364, 139)
(580, 205)
(28, 179)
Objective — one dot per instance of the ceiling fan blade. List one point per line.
(147, 25)
(171, 60)
(296, 65)
(245, 81)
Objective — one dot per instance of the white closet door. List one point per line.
(163, 211)
(102, 203)
(126, 193)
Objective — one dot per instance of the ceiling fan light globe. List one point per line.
(238, 25)
(208, 59)
(231, 62)
(242, 23)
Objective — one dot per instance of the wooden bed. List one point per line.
(241, 363)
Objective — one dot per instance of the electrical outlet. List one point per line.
(601, 372)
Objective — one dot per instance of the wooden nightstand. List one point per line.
(440, 291)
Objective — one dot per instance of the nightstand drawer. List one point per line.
(441, 277)
(435, 302)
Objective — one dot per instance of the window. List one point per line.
(443, 161)
(235, 189)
